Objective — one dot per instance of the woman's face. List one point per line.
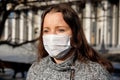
(55, 24)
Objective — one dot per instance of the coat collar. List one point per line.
(66, 65)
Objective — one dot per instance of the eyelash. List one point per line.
(45, 31)
(61, 30)
(58, 30)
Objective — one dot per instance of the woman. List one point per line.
(64, 53)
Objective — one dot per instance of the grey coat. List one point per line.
(46, 69)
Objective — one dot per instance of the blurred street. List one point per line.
(8, 75)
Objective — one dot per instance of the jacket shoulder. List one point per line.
(36, 68)
(93, 71)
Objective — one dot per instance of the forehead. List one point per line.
(54, 19)
(54, 15)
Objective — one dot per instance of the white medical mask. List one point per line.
(57, 46)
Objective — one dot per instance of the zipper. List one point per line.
(72, 74)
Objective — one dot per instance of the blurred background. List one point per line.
(20, 28)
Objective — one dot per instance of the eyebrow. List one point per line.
(63, 26)
(58, 26)
(46, 27)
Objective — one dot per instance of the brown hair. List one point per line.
(79, 43)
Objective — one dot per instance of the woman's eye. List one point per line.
(45, 31)
(61, 30)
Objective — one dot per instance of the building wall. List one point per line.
(101, 23)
